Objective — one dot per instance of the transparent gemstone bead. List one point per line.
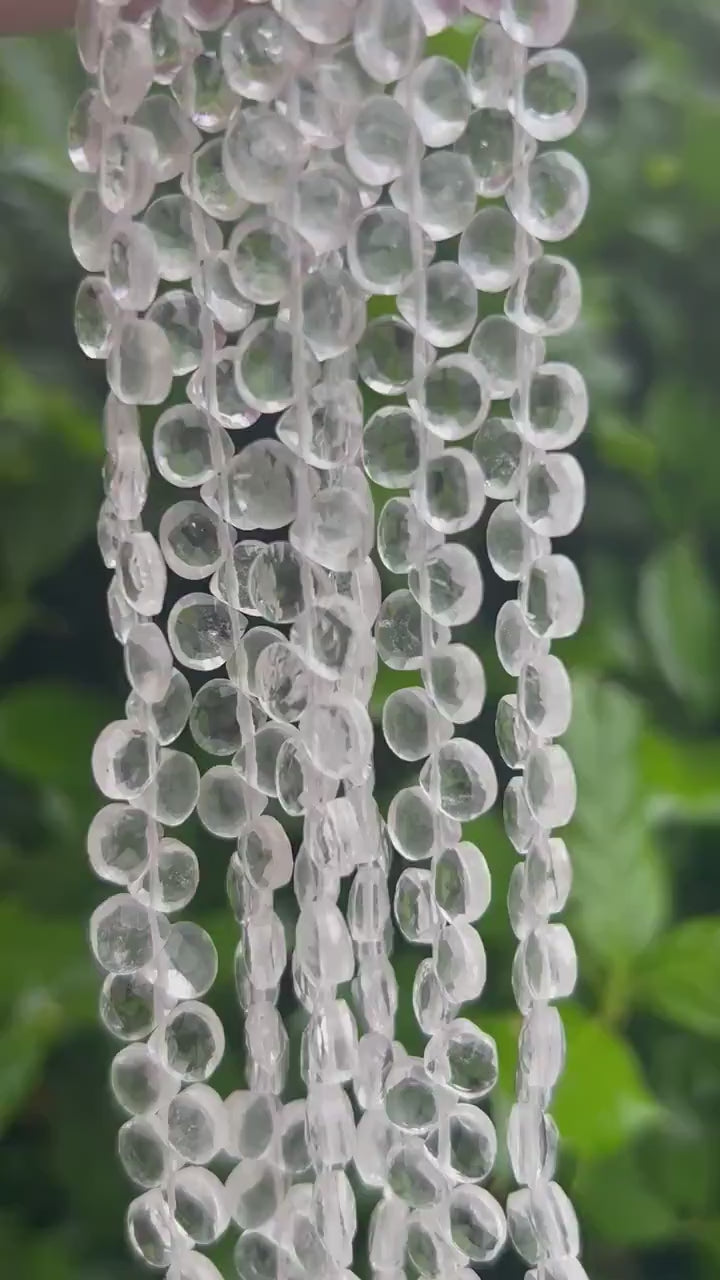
(551, 199)
(226, 805)
(203, 631)
(546, 300)
(461, 882)
(477, 1223)
(490, 71)
(453, 676)
(489, 251)
(175, 137)
(446, 195)
(217, 712)
(545, 696)
(166, 718)
(85, 131)
(463, 1058)
(413, 1175)
(402, 538)
(460, 778)
(260, 51)
(411, 1101)
(335, 1213)
(330, 1044)
(498, 447)
(139, 1081)
(399, 631)
(90, 226)
(460, 962)
(215, 391)
(318, 21)
(438, 14)
(549, 962)
(260, 255)
(537, 22)
(200, 1205)
(189, 961)
(387, 1234)
(334, 311)
(202, 92)
(450, 495)
(511, 544)
(118, 843)
(208, 186)
(550, 101)
(126, 68)
(197, 1124)
(325, 202)
(385, 355)
(131, 270)
(183, 444)
(173, 44)
(514, 640)
(294, 1155)
(552, 598)
(412, 725)
(375, 992)
(450, 305)
(122, 934)
(128, 165)
(379, 140)
(298, 782)
(436, 96)
(258, 150)
(429, 1250)
(514, 735)
(141, 573)
(542, 1223)
(472, 1144)
(128, 1006)
(452, 399)
(266, 854)
(448, 585)
(148, 661)
(190, 539)
(379, 250)
(387, 39)
(255, 1191)
(169, 884)
(548, 875)
(257, 1257)
(488, 143)
(283, 682)
(391, 450)
(122, 761)
(337, 732)
(415, 827)
(178, 314)
(550, 786)
(532, 1139)
(152, 1231)
(431, 1005)
(323, 943)
(329, 1127)
(415, 907)
(171, 221)
(172, 793)
(192, 1265)
(502, 352)
(253, 1121)
(96, 317)
(264, 365)
(191, 1041)
(520, 825)
(555, 409)
(541, 1051)
(140, 362)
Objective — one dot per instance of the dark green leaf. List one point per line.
(680, 615)
(47, 731)
(680, 977)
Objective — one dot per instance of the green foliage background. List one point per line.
(640, 1105)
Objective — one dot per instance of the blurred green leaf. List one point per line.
(680, 615)
(47, 731)
(680, 977)
(681, 777)
(602, 1100)
(620, 891)
(24, 1042)
(619, 1204)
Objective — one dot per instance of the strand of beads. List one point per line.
(425, 1146)
(538, 98)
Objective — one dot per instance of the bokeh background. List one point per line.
(639, 1107)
